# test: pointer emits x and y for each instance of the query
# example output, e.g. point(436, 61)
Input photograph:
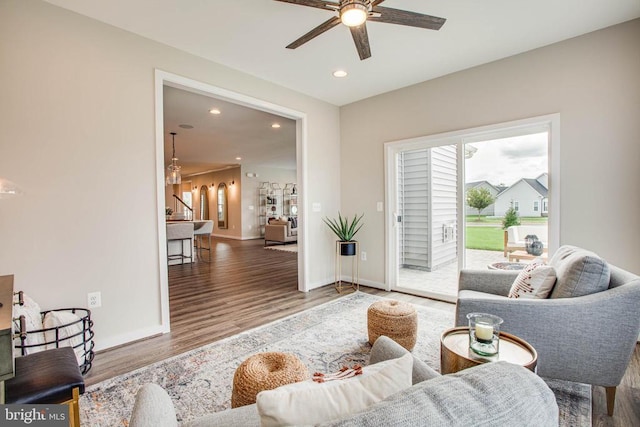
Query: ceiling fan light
point(353, 14)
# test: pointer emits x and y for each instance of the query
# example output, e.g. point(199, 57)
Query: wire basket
point(81, 341)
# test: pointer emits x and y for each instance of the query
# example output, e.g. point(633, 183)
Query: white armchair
point(514, 237)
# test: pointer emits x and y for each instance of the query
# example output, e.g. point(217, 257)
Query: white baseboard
point(345, 278)
point(103, 344)
point(227, 237)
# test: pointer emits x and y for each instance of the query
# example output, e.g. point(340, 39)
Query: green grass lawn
point(482, 235)
point(473, 219)
point(485, 238)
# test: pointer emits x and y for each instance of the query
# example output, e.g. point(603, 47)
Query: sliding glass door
point(447, 197)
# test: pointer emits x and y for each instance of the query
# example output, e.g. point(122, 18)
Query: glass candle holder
point(484, 333)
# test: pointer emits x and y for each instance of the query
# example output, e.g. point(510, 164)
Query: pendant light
point(173, 170)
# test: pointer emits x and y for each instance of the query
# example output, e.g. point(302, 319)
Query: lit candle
point(484, 332)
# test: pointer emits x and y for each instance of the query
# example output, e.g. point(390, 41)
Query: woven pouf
point(395, 319)
point(265, 371)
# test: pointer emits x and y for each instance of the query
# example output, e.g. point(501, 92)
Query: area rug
point(324, 338)
point(283, 248)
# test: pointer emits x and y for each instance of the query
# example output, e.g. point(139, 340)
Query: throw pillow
point(580, 272)
point(33, 320)
point(534, 281)
point(310, 403)
point(70, 332)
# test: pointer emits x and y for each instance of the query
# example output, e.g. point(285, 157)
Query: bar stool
point(204, 230)
point(49, 376)
point(180, 232)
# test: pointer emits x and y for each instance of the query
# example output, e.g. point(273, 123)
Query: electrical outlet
point(363, 256)
point(94, 299)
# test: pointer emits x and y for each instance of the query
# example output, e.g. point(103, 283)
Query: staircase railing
point(178, 199)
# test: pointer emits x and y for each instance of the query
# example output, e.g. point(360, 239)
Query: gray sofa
point(493, 394)
point(587, 329)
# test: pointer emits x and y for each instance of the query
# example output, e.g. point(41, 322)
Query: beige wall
point(592, 81)
point(251, 193)
point(234, 199)
point(78, 133)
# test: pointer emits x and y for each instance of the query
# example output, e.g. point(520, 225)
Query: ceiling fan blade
point(361, 39)
point(404, 17)
point(376, 2)
point(325, 26)
point(320, 4)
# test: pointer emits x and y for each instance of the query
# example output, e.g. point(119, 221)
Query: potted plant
point(345, 229)
point(510, 218)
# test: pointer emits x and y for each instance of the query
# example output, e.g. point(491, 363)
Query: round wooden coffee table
point(455, 354)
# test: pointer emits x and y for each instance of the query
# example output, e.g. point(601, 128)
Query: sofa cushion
point(517, 233)
point(153, 407)
point(533, 281)
point(492, 394)
point(579, 272)
point(308, 402)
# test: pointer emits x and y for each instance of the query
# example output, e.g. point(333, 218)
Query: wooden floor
point(246, 286)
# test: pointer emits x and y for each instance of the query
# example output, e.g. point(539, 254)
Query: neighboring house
point(493, 189)
point(528, 196)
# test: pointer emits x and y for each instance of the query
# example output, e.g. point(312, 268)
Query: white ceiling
point(251, 35)
point(215, 141)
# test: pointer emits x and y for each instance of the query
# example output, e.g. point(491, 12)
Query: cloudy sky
point(504, 161)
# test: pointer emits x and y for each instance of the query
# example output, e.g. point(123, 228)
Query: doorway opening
point(447, 197)
point(163, 80)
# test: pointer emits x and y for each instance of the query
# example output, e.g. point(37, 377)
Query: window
point(545, 205)
point(186, 197)
point(516, 205)
point(536, 206)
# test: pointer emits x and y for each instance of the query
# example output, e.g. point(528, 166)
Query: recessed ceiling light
point(275, 125)
point(214, 111)
point(186, 126)
point(340, 73)
point(238, 158)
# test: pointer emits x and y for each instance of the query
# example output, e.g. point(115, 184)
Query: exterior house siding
point(443, 196)
point(427, 201)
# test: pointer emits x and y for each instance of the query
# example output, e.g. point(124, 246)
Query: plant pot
point(348, 248)
point(536, 248)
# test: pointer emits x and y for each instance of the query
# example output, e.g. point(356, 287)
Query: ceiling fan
point(355, 13)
